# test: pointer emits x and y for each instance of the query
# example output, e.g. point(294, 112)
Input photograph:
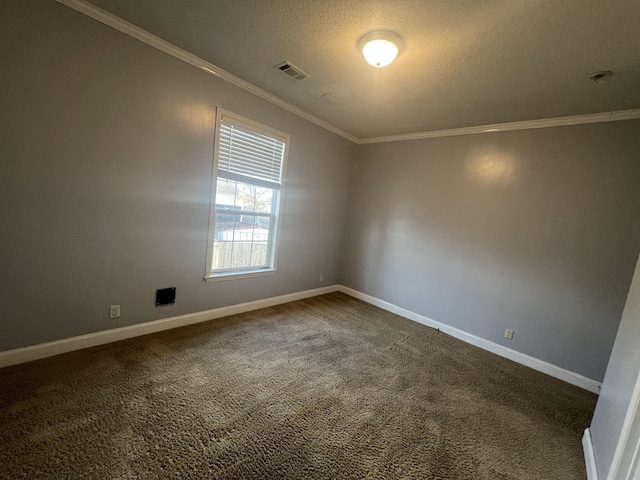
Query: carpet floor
point(324, 388)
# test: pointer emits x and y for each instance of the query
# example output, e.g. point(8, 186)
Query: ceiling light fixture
point(380, 48)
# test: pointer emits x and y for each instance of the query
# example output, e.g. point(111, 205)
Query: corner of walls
point(125, 190)
point(348, 216)
point(508, 353)
point(527, 230)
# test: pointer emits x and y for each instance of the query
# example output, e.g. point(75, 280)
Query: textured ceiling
point(465, 62)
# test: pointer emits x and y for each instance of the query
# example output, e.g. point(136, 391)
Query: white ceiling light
point(380, 48)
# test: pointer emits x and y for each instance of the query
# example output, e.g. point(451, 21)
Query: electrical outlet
point(114, 311)
point(322, 278)
point(508, 333)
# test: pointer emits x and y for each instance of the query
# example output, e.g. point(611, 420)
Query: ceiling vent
point(600, 77)
point(292, 70)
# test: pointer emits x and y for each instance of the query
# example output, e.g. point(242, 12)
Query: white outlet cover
point(114, 311)
point(508, 333)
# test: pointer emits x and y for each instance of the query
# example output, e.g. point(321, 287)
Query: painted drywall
point(619, 382)
point(105, 181)
point(534, 230)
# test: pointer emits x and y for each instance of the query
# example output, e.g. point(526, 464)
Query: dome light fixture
point(380, 48)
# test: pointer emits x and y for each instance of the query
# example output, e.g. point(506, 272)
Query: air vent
point(292, 70)
point(600, 77)
point(165, 296)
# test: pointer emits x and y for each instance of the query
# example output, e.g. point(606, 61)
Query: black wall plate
point(165, 296)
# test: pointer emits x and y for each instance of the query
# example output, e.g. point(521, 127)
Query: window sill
point(218, 277)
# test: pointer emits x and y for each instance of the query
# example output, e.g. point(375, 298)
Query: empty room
point(331, 239)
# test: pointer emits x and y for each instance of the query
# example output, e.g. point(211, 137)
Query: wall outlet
point(322, 278)
point(114, 311)
point(508, 333)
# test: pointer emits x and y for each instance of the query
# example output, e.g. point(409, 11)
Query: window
point(249, 163)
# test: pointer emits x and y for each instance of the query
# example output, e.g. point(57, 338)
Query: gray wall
point(105, 180)
point(105, 173)
point(619, 382)
point(531, 230)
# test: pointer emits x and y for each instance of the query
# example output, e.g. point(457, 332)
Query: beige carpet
point(327, 388)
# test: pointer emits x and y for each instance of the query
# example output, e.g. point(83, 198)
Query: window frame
point(274, 228)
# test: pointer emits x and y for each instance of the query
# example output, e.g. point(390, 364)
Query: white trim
point(626, 450)
point(504, 127)
point(212, 199)
point(166, 47)
point(625, 115)
point(254, 126)
point(589, 458)
point(221, 277)
point(518, 357)
point(49, 349)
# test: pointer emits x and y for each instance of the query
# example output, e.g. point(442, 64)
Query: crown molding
point(625, 115)
point(142, 35)
point(166, 47)
point(505, 127)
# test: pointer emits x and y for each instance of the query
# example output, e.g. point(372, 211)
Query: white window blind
point(247, 155)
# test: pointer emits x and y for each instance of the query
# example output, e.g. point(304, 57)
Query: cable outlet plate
point(114, 311)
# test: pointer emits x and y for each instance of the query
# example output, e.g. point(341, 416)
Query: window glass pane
point(260, 241)
point(241, 241)
point(243, 196)
point(260, 198)
point(225, 194)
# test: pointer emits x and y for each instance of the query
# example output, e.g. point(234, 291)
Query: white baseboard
point(43, 350)
point(522, 358)
point(589, 459)
point(49, 349)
